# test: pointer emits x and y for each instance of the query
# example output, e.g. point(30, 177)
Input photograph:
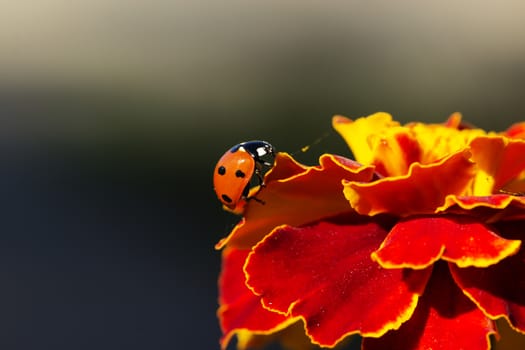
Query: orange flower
point(415, 245)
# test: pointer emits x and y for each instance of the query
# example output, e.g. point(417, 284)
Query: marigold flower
point(416, 244)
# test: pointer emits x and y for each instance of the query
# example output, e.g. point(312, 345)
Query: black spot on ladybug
point(221, 170)
point(226, 198)
point(240, 174)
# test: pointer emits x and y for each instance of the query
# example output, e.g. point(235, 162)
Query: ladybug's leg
point(258, 173)
point(255, 199)
point(261, 185)
point(246, 192)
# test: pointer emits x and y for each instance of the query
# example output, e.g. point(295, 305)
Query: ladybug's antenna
point(318, 140)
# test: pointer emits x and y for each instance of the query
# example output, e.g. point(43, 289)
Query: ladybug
point(237, 167)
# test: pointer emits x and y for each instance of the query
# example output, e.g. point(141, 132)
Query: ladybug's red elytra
point(237, 167)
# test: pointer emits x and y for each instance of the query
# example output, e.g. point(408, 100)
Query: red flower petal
point(324, 274)
point(419, 242)
point(444, 320)
point(498, 290)
point(488, 208)
point(240, 309)
point(496, 201)
point(516, 131)
point(285, 166)
point(420, 191)
point(314, 193)
point(454, 121)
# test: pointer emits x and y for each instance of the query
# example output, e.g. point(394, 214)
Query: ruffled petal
point(357, 134)
point(500, 161)
point(498, 290)
point(421, 191)
point(444, 320)
point(240, 311)
point(516, 131)
point(392, 148)
point(419, 242)
point(306, 196)
point(379, 141)
point(454, 121)
point(323, 273)
point(496, 201)
point(440, 140)
point(489, 208)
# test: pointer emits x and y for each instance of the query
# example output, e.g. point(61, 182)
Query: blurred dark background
point(113, 114)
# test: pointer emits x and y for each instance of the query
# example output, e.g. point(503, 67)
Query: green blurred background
point(115, 112)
